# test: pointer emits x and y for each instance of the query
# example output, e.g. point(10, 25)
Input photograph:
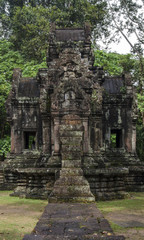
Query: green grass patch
point(32, 204)
point(18, 215)
point(135, 202)
point(116, 228)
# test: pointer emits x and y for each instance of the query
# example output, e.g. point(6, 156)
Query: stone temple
point(73, 128)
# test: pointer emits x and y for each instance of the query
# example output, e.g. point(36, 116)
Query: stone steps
point(71, 186)
point(2, 180)
point(1, 176)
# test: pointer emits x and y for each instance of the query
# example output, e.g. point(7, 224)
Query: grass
point(18, 216)
point(33, 204)
point(135, 202)
point(133, 205)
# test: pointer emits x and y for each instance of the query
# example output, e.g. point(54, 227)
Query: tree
point(10, 59)
point(114, 63)
point(26, 23)
point(30, 31)
point(126, 19)
point(76, 12)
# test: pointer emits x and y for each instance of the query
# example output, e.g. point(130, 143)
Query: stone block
point(71, 134)
point(71, 163)
point(71, 141)
point(71, 172)
point(71, 148)
point(71, 155)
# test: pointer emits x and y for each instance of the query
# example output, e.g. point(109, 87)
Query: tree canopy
point(26, 23)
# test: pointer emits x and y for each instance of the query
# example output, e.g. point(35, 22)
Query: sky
point(122, 47)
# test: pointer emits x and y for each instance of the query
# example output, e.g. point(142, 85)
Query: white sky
point(122, 47)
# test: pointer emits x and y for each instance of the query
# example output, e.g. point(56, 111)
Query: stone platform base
point(72, 222)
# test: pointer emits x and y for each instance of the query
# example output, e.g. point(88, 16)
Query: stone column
point(56, 136)
point(107, 137)
point(134, 138)
point(86, 136)
point(17, 141)
point(128, 132)
point(12, 140)
point(46, 135)
point(16, 137)
point(98, 134)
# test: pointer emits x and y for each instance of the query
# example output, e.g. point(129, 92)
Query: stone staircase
point(71, 186)
point(2, 182)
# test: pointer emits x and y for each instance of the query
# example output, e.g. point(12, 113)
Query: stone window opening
point(30, 140)
point(116, 138)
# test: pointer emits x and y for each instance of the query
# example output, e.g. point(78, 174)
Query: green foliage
point(30, 31)
point(113, 140)
point(10, 59)
point(123, 90)
point(30, 69)
point(114, 63)
point(140, 142)
point(127, 62)
point(140, 102)
point(139, 74)
point(26, 23)
point(4, 146)
point(77, 12)
point(109, 61)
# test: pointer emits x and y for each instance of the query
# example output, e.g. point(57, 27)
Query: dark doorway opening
point(116, 138)
point(30, 140)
